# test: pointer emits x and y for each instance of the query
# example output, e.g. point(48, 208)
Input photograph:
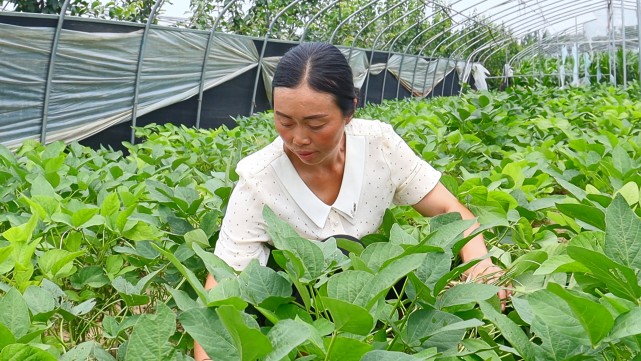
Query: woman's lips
point(305, 155)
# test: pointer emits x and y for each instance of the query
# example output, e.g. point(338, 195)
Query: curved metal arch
point(141, 54)
point(262, 52)
point(508, 12)
point(585, 11)
point(517, 57)
point(389, 52)
point(445, 31)
point(348, 18)
point(484, 33)
point(439, 58)
point(507, 41)
point(52, 61)
point(417, 56)
point(555, 20)
point(360, 31)
point(210, 40)
point(371, 56)
point(429, 28)
point(530, 50)
point(313, 18)
point(436, 36)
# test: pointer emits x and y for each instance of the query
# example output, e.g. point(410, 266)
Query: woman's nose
point(300, 138)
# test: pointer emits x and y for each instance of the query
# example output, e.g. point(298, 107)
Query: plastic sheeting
point(94, 76)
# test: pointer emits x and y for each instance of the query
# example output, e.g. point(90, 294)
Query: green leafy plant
point(103, 254)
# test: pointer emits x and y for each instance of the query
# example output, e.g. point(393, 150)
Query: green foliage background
point(103, 255)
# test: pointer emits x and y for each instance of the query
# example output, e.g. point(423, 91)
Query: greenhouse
point(122, 125)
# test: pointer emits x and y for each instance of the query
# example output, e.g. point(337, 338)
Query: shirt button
point(335, 223)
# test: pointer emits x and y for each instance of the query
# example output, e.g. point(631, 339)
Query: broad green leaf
point(259, 283)
point(39, 300)
point(588, 214)
point(92, 276)
point(630, 191)
point(122, 217)
point(110, 205)
point(216, 266)
point(40, 186)
point(277, 228)
point(83, 216)
point(204, 325)
point(424, 330)
point(23, 352)
point(23, 232)
point(285, 336)
point(249, 341)
point(522, 233)
point(464, 293)
point(510, 331)
point(623, 234)
point(57, 261)
point(352, 287)
point(186, 272)
point(399, 236)
point(83, 308)
point(392, 273)
point(89, 350)
point(143, 231)
point(6, 337)
point(595, 318)
point(349, 317)
point(446, 236)
point(5, 253)
point(591, 240)
point(554, 323)
point(560, 263)
point(149, 339)
point(43, 206)
point(197, 236)
point(285, 238)
point(14, 313)
point(188, 199)
point(345, 349)
point(577, 192)
point(621, 160)
point(627, 324)
point(182, 299)
point(620, 280)
point(435, 266)
point(378, 253)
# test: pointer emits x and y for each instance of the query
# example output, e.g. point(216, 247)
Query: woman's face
point(310, 124)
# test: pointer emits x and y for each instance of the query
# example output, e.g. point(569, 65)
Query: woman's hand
point(488, 273)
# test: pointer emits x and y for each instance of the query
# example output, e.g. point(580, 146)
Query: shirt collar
point(349, 194)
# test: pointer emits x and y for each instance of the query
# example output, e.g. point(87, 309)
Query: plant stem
point(331, 343)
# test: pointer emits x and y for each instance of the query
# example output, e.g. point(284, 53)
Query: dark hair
point(323, 67)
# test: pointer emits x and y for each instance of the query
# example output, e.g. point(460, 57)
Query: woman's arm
point(440, 201)
point(199, 353)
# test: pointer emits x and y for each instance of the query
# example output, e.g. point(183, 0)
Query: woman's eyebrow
point(309, 117)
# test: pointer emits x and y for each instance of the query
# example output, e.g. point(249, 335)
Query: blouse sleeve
point(243, 234)
point(412, 176)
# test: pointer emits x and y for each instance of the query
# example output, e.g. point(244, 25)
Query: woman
point(328, 173)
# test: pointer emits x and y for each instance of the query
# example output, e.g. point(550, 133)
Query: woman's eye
point(316, 127)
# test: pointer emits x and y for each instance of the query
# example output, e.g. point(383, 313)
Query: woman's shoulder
point(260, 160)
point(367, 127)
